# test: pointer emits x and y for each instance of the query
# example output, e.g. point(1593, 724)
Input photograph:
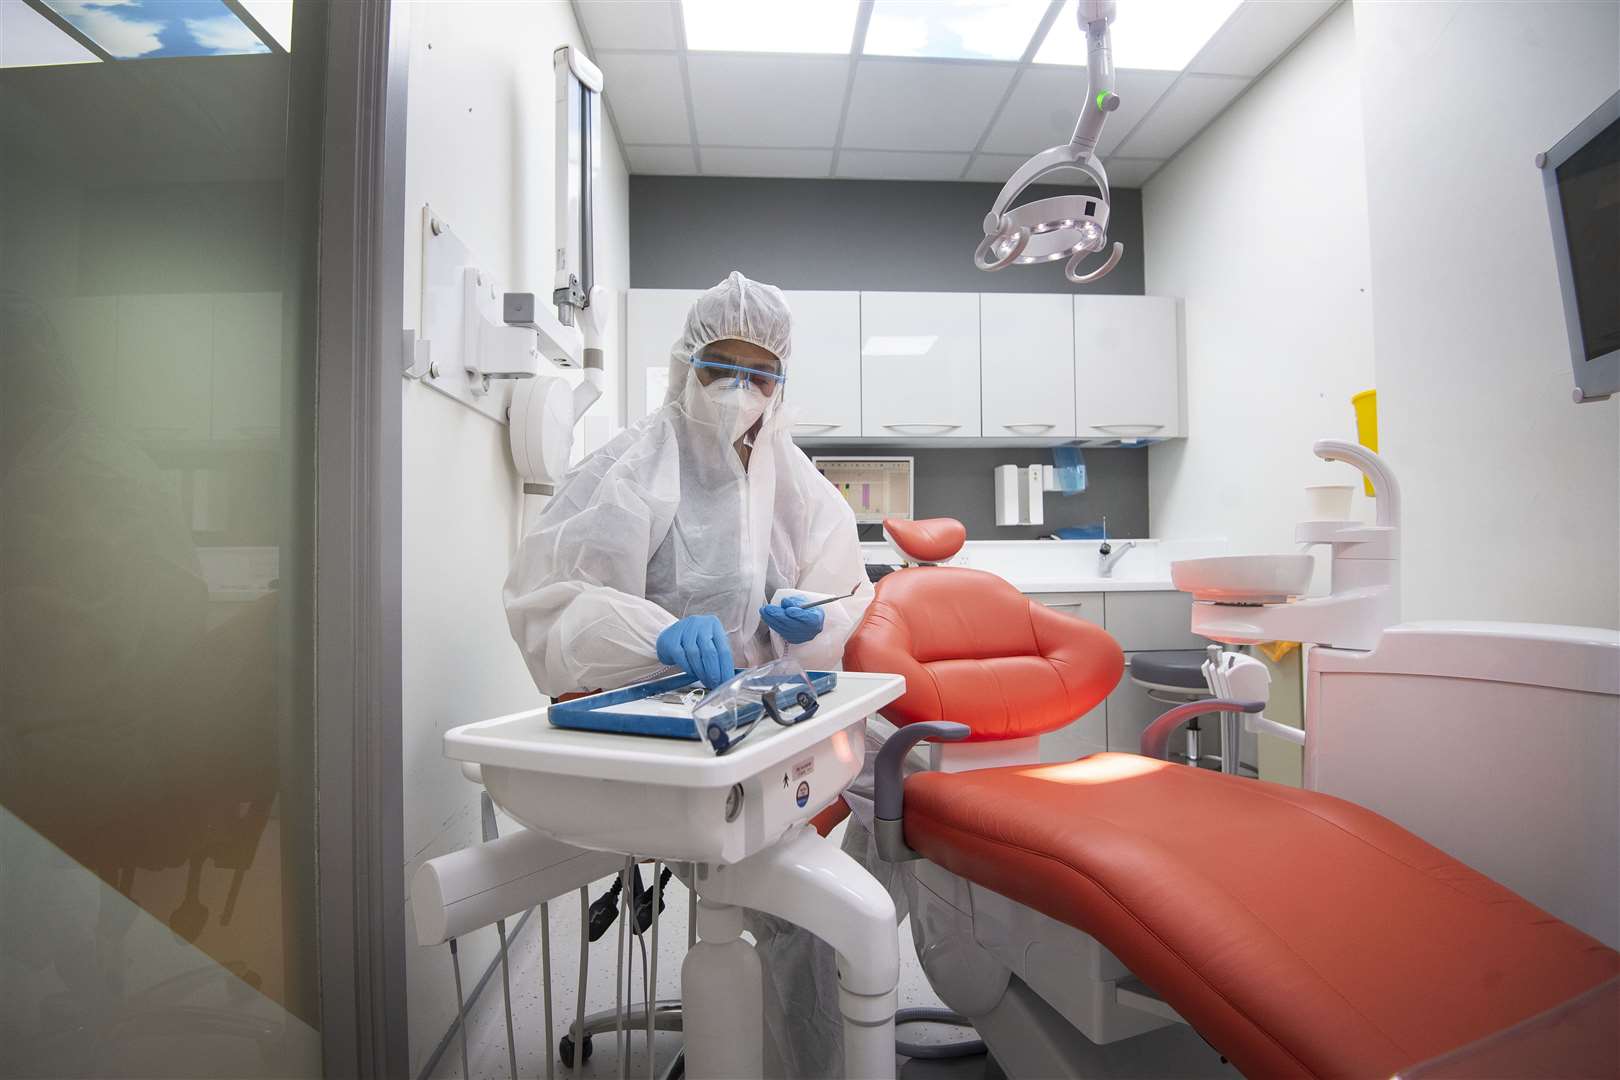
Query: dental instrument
point(833, 599)
point(1062, 226)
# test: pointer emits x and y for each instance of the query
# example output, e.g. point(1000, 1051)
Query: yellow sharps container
point(1366, 405)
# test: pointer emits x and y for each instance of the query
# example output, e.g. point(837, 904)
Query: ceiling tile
point(662, 160)
point(1047, 101)
point(900, 165)
point(649, 102)
point(614, 24)
point(782, 101)
point(766, 162)
point(1256, 35)
point(1195, 101)
point(996, 168)
point(1130, 172)
point(923, 104)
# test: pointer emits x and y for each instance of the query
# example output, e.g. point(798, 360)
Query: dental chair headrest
point(932, 540)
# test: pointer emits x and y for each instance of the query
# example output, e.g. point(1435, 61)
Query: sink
point(1244, 579)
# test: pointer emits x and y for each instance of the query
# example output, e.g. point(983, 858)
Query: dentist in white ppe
point(664, 549)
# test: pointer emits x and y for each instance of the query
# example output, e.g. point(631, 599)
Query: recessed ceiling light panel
point(784, 26)
point(954, 29)
point(1156, 35)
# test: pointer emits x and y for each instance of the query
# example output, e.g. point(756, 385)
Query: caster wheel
point(565, 1050)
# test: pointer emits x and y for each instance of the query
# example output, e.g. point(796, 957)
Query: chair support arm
point(1156, 738)
point(889, 790)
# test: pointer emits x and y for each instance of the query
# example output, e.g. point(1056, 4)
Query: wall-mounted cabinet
point(919, 365)
point(654, 320)
point(824, 380)
point(914, 368)
point(1026, 388)
point(1127, 367)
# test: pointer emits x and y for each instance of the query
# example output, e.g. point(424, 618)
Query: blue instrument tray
point(586, 713)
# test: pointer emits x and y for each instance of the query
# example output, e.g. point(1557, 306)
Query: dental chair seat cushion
point(1298, 933)
point(976, 651)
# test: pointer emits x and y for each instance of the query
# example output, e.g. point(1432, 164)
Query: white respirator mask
point(736, 408)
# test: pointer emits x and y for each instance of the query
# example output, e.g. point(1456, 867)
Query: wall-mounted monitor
point(1582, 179)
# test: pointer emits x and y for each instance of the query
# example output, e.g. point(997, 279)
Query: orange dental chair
point(1065, 907)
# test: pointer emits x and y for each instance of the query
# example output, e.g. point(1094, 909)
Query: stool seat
point(1176, 670)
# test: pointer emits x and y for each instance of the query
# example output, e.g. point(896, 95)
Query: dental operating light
point(1068, 227)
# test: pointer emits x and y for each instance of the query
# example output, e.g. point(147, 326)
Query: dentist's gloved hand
point(792, 620)
point(697, 645)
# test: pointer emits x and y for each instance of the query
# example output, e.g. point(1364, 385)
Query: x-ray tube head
point(1070, 227)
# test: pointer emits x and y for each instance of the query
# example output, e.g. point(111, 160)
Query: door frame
point(359, 799)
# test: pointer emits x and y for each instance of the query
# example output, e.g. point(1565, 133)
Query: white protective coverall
point(665, 522)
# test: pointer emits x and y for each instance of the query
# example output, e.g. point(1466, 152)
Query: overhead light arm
point(1068, 227)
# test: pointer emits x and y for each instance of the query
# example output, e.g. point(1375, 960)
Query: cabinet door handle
point(1127, 428)
point(1038, 428)
point(940, 428)
point(815, 428)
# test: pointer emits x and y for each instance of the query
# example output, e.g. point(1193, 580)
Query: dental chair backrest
point(976, 651)
point(925, 542)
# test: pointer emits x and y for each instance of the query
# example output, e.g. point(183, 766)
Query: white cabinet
point(824, 371)
point(165, 351)
point(919, 365)
point(655, 320)
point(1127, 368)
point(1026, 347)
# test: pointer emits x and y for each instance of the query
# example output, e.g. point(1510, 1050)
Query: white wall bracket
point(467, 349)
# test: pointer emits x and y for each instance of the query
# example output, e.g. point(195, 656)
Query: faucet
point(1107, 556)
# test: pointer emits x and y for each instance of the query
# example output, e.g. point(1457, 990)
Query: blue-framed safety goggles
point(764, 379)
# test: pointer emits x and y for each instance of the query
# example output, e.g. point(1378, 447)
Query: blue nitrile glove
point(697, 645)
point(790, 619)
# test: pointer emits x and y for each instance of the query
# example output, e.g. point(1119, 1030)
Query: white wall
point(1509, 489)
point(1261, 226)
point(480, 152)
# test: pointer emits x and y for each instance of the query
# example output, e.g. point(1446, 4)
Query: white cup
point(1329, 502)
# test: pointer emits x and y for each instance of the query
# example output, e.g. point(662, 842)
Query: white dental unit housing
point(1504, 708)
point(1068, 227)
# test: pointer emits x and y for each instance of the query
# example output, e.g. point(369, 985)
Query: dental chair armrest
point(1156, 738)
point(889, 788)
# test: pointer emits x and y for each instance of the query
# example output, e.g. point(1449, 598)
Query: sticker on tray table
point(802, 796)
point(802, 769)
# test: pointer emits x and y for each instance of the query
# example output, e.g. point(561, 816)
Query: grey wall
point(690, 231)
point(961, 484)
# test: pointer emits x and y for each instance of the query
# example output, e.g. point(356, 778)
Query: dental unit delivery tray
point(673, 798)
point(661, 707)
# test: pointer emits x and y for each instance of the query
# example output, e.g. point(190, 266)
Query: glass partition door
point(159, 185)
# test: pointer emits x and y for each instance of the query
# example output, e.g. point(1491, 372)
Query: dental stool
point(1175, 677)
point(1067, 906)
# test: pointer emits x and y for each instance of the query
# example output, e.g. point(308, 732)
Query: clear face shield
point(716, 364)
